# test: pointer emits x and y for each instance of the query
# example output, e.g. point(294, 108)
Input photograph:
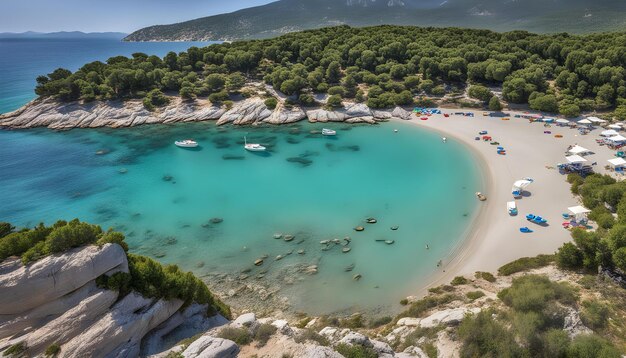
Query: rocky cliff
point(56, 303)
point(55, 115)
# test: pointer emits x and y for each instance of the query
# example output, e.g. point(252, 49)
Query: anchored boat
point(253, 147)
point(186, 143)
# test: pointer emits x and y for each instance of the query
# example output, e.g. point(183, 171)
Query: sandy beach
point(495, 239)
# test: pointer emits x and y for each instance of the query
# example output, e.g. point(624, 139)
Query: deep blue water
point(22, 60)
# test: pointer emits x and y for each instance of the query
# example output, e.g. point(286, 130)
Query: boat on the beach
point(328, 132)
point(186, 143)
point(253, 147)
point(525, 230)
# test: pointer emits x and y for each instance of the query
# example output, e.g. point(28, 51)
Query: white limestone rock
point(70, 324)
point(447, 317)
point(356, 338)
point(244, 320)
point(27, 287)
point(211, 347)
point(408, 321)
point(119, 332)
point(321, 352)
point(284, 115)
point(248, 111)
point(573, 325)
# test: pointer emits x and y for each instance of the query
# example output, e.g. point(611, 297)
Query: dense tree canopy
point(390, 64)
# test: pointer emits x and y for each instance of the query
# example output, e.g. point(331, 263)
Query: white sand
point(495, 239)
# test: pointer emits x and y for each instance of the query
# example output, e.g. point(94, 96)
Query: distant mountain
point(576, 16)
point(62, 35)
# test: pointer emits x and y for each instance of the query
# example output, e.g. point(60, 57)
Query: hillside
point(575, 16)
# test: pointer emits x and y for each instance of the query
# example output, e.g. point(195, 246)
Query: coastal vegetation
point(381, 66)
point(604, 247)
point(146, 276)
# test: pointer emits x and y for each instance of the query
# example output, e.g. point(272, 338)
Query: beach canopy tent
point(584, 121)
point(575, 159)
point(617, 162)
point(579, 211)
point(595, 120)
point(520, 185)
point(562, 121)
point(615, 126)
point(609, 133)
point(548, 120)
point(617, 139)
point(578, 150)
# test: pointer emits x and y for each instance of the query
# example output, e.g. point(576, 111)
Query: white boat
point(326, 131)
point(186, 143)
point(444, 139)
point(253, 147)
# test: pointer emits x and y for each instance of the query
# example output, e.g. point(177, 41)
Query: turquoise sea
point(313, 187)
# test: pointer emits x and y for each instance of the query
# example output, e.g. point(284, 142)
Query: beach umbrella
point(562, 121)
point(617, 162)
point(609, 133)
point(584, 121)
point(578, 150)
point(595, 120)
point(615, 126)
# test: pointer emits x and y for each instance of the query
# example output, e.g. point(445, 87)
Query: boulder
point(408, 321)
point(211, 347)
point(27, 287)
point(353, 338)
point(573, 325)
point(248, 111)
point(382, 349)
point(447, 317)
point(245, 320)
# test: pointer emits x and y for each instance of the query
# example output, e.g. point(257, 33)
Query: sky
point(107, 15)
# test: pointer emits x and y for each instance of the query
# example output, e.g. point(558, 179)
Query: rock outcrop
point(56, 301)
point(251, 111)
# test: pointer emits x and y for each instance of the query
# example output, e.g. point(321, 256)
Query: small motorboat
point(328, 132)
point(186, 143)
point(253, 147)
point(525, 230)
point(482, 132)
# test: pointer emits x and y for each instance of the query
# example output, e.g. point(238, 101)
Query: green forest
point(382, 66)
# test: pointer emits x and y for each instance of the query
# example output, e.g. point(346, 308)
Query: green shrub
point(459, 280)
point(480, 92)
point(483, 336)
point(334, 101)
point(584, 346)
point(53, 350)
point(494, 104)
point(487, 276)
point(352, 322)
point(404, 301)
point(15, 350)
point(474, 295)
point(264, 333)
point(308, 334)
point(569, 256)
point(534, 293)
point(595, 314)
point(355, 351)
point(271, 103)
point(6, 229)
point(380, 321)
point(241, 336)
point(525, 264)
point(416, 309)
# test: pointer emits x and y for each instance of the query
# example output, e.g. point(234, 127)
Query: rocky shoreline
point(57, 115)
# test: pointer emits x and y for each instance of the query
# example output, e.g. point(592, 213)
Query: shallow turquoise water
point(409, 179)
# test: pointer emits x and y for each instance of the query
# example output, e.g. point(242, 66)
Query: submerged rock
point(302, 161)
point(345, 250)
point(357, 277)
point(258, 262)
point(167, 178)
point(359, 228)
point(216, 220)
point(371, 220)
point(289, 238)
point(233, 157)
